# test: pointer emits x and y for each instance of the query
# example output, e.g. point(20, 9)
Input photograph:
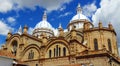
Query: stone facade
point(82, 44)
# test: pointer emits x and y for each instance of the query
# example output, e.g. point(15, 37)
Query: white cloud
point(65, 14)
point(49, 5)
point(30, 30)
point(89, 9)
point(11, 19)
point(5, 6)
point(1, 45)
point(53, 4)
point(4, 28)
point(65, 30)
point(62, 8)
point(109, 11)
point(119, 50)
point(55, 30)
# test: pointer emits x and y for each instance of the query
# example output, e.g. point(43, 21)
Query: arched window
point(36, 64)
point(64, 51)
point(95, 44)
point(31, 55)
point(109, 45)
point(59, 51)
point(14, 45)
point(54, 52)
point(50, 53)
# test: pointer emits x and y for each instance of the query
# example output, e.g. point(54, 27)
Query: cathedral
point(82, 44)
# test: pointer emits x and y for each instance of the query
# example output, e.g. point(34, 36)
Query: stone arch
point(79, 36)
point(14, 44)
point(34, 48)
point(13, 38)
point(56, 47)
point(66, 43)
point(31, 46)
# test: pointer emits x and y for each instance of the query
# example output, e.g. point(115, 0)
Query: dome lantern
point(79, 10)
point(45, 16)
point(61, 31)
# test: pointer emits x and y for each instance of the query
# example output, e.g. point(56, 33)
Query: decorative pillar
point(110, 26)
point(61, 31)
point(100, 25)
point(25, 29)
point(8, 35)
point(73, 33)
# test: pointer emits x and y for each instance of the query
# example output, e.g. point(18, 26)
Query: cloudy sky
point(14, 13)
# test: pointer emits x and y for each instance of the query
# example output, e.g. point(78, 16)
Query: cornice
point(32, 37)
point(99, 29)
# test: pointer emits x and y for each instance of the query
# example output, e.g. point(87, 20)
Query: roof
point(7, 54)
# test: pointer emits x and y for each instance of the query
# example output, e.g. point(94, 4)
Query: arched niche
point(30, 52)
point(57, 48)
point(14, 46)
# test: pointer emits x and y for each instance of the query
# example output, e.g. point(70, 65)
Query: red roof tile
point(7, 54)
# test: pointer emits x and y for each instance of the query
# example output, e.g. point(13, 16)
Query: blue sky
point(14, 13)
